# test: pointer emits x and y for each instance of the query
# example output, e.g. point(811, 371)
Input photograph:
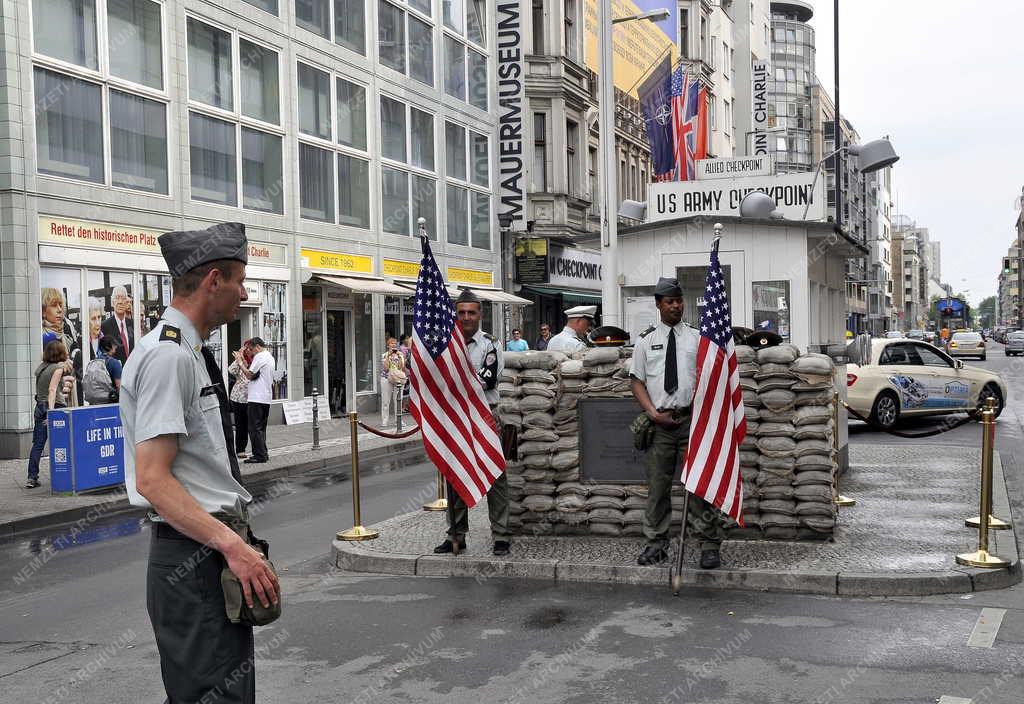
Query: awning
point(360, 285)
point(566, 293)
point(487, 294)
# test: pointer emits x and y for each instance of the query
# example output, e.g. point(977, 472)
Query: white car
point(893, 335)
point(913, 378)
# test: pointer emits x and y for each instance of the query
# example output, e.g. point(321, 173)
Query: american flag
point(688, 124)
point(712, 465)
point(446, 397)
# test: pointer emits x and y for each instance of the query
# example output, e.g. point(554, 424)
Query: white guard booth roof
point(367, 285)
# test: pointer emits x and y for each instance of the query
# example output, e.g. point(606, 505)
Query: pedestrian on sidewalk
point(258, 396)
point(50, 393)
point(240, 397)
point(517, 343)
point(180, 464)
point(392, 378)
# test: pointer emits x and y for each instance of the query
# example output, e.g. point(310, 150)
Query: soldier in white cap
point(573, 337)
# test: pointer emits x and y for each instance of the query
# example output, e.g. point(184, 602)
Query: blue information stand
point(86, 448)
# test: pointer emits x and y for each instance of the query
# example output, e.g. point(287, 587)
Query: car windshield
point(1016, 336)
point(893, 334)
point(967, 337)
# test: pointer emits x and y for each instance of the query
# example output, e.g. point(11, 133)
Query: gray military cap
point(468, 296)
point(184, 251)
point(668, 288)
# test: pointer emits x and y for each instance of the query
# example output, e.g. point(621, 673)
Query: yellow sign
point(536, 246)
point(399, 269)
point(637, 46)
point(98, 235)
point(470, 276)
point(337, 261)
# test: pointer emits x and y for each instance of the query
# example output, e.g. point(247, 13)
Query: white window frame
point(332, 39)
point(333, 145)
point(236, 117)
point(467, 45)
point(468, 184)
point(102, 78)
point(407, 166)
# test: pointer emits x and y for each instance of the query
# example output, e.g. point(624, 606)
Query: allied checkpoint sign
point(791, 192)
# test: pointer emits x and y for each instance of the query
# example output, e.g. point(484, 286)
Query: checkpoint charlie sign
point(791, 192)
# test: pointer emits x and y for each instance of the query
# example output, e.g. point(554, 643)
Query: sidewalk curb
point(356, 558)
point(120, 505)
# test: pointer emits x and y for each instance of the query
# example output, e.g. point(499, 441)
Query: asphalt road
point(73, 626)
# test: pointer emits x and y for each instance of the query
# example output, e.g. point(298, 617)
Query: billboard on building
point(638, 45)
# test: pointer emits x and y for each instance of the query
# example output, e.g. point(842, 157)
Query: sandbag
point(813, 363)
point(538, 375)
point(772, 369)
point(534, 388)
point(634, 502)
point(538, 504)
point(785, 507)
point(538, 435)
point(776, 382)
point(538, 420)
point(786, 415)
point(569, 503)
point(802, 385)
point(780, 354)
point(568, 430)
point(776, 399)
point(538, 461)
point(573, 386)
point(509, 376)
point(534, 359)
point(567, 475)
point(568, 402)
point(635, 516)
point(776, 446)
point(772, 492)
point(822, 397)
point(596, 356)
point(508, 406)
point(567, 416)
point(751, 399)
point(745, 354)
point(608, 490)
point(816, 380)
point(784, 464)
point(750, 412)
point(815, 476)
point(605, 515)
point(571, 368)
point(748, 383)
point(539, 488)
point(534, 447)
point(599, 385)
point(606, 530)
point(814, 463)
point(748, 457)
point(812, 447)
point(539, 475)
point(602, 369)
point(562, 444)
point(507, 389)
point(814, 432)
point(572, 488)
point(566, 459)
point(784, 430)
point(771, 519)
point(820, 524)
point(753, 427)
point(814, 492)
point(747, 369)
point(812, 415)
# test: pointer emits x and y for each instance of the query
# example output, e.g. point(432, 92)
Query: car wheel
point(993, 391)
point(982, 358)
point(885, 412)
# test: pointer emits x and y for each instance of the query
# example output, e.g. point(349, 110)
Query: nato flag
point(655, 95)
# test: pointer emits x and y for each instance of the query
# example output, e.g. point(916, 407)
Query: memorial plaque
point(607, 455)
point(531, 261)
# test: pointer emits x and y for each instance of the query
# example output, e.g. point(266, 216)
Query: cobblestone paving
point(911, 504)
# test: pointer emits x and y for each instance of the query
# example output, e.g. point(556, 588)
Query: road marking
point(946, 699)
point(985, 630)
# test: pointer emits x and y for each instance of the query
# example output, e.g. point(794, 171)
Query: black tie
point(671, 368)
point(217, 380)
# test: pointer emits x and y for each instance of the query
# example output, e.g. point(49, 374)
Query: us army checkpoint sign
point(791, 192)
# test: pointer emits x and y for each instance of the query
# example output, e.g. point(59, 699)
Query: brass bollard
point(316, 421)
point(989, 435)
point(837, 498)
point(357, 532)
point(440, 503)
point(981, 557)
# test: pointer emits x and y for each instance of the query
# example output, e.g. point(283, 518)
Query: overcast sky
point(943, 79)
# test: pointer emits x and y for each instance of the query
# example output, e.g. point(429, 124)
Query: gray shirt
point(478, 346)
point(166, 390)
point(566, 341)
point(649, 364)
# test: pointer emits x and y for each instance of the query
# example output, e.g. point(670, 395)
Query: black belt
point(164, 530)
point(684, 411)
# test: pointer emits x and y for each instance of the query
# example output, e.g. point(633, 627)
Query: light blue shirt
point(519, 345)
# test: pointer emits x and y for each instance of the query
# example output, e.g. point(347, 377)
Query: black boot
point(710, 559)
point(652, 556)
point(446, 547)
point(501, 548)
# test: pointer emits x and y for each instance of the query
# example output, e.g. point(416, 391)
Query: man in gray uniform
point(663, 379)
point(573, 337)
point(485, 356)
point(179, 463)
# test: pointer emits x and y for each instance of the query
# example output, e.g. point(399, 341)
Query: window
point(540, 152)
point(538, 27)
point(703, 37)
point(314, 102)
point(571, 48)
point(712, 52)
point(595, 204)
point(275, 334)
point(82, 124)
point(465, 74)
point(266, 5)
point(66, 30)
point(316, 183)
point(134, 41)
point(415, 59)
point(467, 200)
point(684, 33)
point(233, 139)
point(349, 21)
point(771, 307)
point(572, 162)
point(351, 102)
point(726, 116)
point(732, 64)
point(408, 187)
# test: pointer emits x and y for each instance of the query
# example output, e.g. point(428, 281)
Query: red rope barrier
point(390, 436)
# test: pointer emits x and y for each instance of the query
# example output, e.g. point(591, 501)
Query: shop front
point(109, 280)
point(555, 277)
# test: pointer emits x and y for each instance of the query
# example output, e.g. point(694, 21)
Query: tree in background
point(987, 312)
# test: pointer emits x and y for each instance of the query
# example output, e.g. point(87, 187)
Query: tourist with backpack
point(52, 391)
point(101, 382)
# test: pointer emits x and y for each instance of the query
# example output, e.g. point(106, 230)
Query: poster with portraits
point(61, 297)
point(110, 298)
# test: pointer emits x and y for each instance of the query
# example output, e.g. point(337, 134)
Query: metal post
point(398, 408)
point(607, 171)
point(838, 120)
point(988, 443)
point(838, 498)
point(357, 532)
point(981, 557)
point(316, 421)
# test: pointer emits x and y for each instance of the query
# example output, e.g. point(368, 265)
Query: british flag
point(689, 123)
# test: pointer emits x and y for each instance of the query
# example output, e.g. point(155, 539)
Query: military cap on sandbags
point(667, 287)
point(581, 312)
point(609, 336)
point(760, 340)
point(185, 250)
point(468, 296)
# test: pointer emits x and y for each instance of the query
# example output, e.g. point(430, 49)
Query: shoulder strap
point(217, 380)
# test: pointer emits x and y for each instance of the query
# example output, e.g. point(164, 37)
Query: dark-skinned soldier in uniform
point(663, 379)
point(180, 464)
point(485, 357)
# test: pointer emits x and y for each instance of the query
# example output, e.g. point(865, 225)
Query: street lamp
point(610, 298)
point(874, 155)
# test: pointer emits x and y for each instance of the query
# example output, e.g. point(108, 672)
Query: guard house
point(787, 276)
